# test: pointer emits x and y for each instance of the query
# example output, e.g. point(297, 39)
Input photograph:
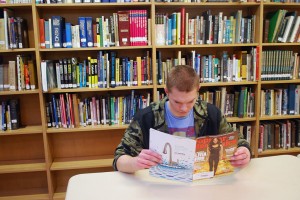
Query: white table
point(273, 178)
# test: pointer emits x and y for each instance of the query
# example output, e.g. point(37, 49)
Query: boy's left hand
point(241, 157)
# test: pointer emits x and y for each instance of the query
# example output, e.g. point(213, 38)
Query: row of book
point(280, 65)
point(283, 134)
point(200, 1)
point(237, 103)
point(13, 30)
point(181, 29)
point(9, 115)
point(240, 66)
point(70, 111)
point(124, 28)
point(281, 101)
point(86, 1)
point(105, 71)
point(18, 75)
point(282, 26)
point(14, 1)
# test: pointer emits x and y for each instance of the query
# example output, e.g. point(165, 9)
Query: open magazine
point(186, 159)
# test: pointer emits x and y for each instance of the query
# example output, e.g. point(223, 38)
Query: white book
point(44, 75)
point(294, 30)
point(287, 30)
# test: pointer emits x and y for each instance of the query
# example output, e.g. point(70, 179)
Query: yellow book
point(118, 72)
point(139, 71)
point(95, 73)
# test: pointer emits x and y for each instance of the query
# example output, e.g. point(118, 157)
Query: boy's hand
point(241, 157)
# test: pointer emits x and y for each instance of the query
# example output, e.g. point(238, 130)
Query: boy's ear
point(166, 91)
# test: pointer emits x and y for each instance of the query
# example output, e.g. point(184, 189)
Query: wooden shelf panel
point(18, 168)
point(58, 196)
point(218, 84)
point(238, 119)
point(89, 162)
point(91, 6)
point(207, 46)
point(95, 48)
point(27, 197)
point(19, 92)
point(23, 130)
point(279, 151)
point(281, 44)
point(10, 5)
point(207, 4)
point(78, 90)
point(281, 81)
point(17, 50)
point(88, 128)
point(277, 117)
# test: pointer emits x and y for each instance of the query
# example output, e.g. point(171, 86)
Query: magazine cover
point(186, 159)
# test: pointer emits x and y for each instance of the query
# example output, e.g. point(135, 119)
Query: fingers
point(147, 159)
point(241, 157)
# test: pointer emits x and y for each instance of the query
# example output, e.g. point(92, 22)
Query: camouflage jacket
point(136, 136)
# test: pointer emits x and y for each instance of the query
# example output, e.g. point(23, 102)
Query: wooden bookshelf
point(36, 162)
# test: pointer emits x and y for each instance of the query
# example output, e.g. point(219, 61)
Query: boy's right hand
point(146, 159)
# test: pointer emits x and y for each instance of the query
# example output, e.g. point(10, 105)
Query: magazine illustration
point(186, 159)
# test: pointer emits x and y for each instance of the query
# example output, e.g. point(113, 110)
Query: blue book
point(89, 31)
point(169, 38)
point(55, 120)
point(47, 35)
point(291, 99)
point(57, 34)
point(112, 69)
point(82, 31)
point(100, 70)
point(124, 66)
point(68, 36)
point(112, 1)
point(173, 29)
point(104, 1)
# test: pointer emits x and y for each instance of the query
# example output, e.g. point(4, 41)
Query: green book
point(273, 17)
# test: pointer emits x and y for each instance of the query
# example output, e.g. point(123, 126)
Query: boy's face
point(181, 102)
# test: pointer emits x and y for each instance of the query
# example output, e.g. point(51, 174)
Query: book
point(186, 159)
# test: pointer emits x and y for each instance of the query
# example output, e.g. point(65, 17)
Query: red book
point(182, 31)
point(42, 33)
point(124, 28)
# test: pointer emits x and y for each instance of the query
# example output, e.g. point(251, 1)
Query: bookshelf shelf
point(277, 117)
point(79, 90)
point(87, 129)
point(90, 162)
point(93, 6)
point(2, 93)
point(280, 44)
point(18, 50)
point(20, 168)
point(206, 46)
point(16, 5)
point(27, 197)
point(279, 151)
point(207, 4)
point(280, 82)
point(244, 119)
point(95, 49)
point(44, 159)
point(23, 130)
point(59, 196)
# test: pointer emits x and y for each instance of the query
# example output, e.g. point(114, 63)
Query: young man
point(180, 113)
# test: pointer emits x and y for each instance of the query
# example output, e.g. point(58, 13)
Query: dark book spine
point(14, 113)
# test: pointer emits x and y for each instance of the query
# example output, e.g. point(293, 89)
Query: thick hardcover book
point(89, 31)
point(68, 35)
point(124, 28)
point(2, 33)
point(57, 31)
point(42, 33)
point(82, 31)
point(186, 159)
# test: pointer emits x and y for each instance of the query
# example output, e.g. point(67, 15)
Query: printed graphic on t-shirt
point(183, 132)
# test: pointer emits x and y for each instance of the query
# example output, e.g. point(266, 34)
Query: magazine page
point(178, 155)
point(213, 154)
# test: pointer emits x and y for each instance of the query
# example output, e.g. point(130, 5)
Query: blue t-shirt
point(180, 126)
